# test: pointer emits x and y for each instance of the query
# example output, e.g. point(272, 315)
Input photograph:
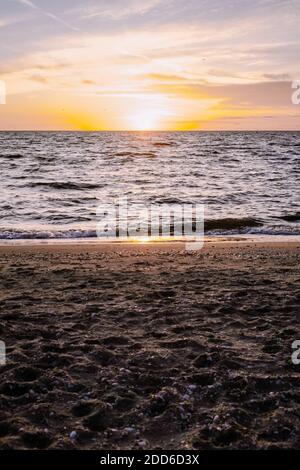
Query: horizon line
point(149, 130)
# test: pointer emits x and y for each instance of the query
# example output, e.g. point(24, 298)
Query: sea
point(53, 182)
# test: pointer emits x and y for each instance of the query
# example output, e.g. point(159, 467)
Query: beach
point(150, 346)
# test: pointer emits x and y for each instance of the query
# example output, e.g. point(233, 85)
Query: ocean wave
point(279, 230)
point(291, 217)
point(12, 156)
point(237, 228)
point(164, 144)
point(168, 200)
point(136, 154)
point(65, 185)
point(46, 234)
point(231, 224)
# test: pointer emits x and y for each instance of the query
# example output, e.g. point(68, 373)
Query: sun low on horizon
point(145, 121)
point(73, 65)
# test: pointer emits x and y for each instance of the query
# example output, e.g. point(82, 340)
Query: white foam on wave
point(90, 234)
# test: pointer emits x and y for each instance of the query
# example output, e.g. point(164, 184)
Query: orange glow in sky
point(130, 65)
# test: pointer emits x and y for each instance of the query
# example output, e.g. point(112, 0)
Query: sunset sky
point(149, 64)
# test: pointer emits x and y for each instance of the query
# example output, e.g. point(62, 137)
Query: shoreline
point(168, 244)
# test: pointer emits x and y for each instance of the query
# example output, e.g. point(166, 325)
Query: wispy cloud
point(56, 18)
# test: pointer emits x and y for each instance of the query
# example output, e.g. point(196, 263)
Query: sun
point(145, 120)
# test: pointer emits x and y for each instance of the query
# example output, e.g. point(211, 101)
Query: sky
point(149, 64)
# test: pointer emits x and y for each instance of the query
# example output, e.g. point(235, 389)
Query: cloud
point(164, 77)
point(242, 96)
point(56, 18)
point(277, 76)
point(88, 82)
point(190, 54)
point(27, 3)
point(119, 10)
point(38, 79)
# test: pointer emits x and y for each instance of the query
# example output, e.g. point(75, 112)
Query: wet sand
point(150, 346)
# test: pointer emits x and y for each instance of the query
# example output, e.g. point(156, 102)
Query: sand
point(150, 346)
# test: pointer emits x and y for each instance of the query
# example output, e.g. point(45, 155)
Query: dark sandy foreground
point(150, 347)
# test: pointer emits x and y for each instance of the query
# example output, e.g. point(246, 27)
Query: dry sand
point(150, 346)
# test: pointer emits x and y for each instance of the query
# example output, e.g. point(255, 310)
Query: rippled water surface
point(52, 183)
